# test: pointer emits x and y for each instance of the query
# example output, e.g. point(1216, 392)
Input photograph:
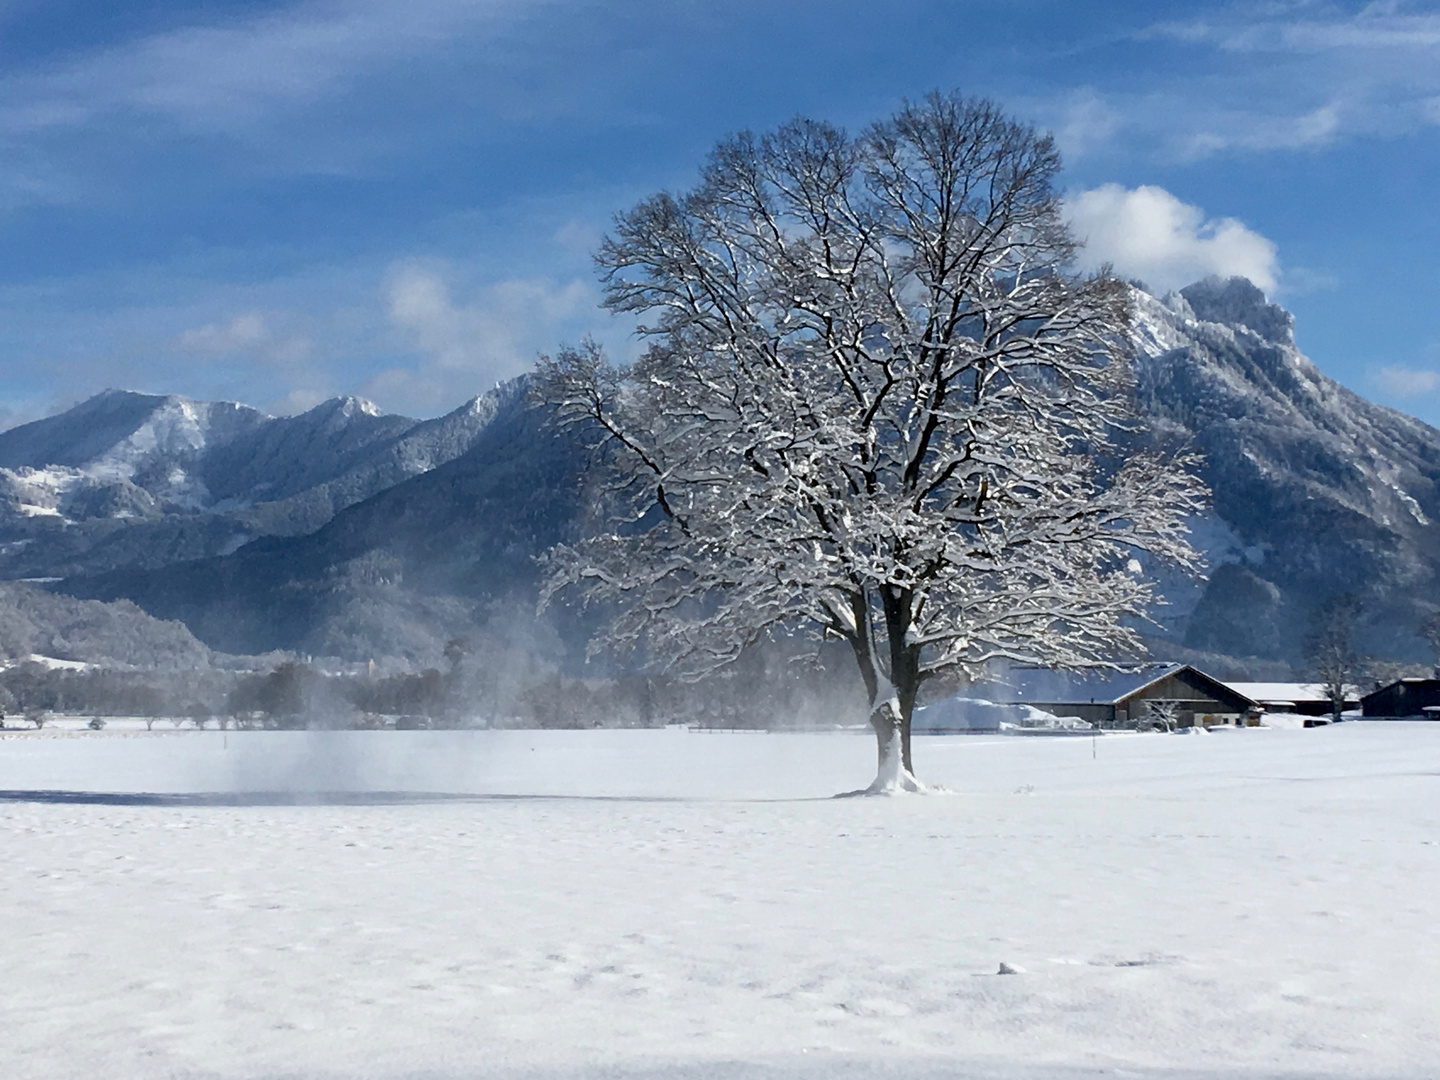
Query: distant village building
point(1405, 699)
point(1122, 698)
point(1303, 699)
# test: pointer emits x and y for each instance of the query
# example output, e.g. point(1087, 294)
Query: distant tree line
point(478, 685)
point(29, 686)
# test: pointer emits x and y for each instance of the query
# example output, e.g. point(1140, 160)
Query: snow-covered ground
point(660, 904)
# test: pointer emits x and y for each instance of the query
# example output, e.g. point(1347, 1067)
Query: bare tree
point(1329, 649)
point(874, 406)
point(1161, 714)
point(1431, 631)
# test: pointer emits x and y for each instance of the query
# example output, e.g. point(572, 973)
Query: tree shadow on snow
point(337, 798)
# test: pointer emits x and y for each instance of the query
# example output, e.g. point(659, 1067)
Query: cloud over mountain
point(1148, 233)
point(472, 341)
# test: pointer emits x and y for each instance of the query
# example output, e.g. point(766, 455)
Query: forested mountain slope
point(35, 622)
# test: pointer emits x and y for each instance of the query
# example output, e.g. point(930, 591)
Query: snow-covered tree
point(874, 405)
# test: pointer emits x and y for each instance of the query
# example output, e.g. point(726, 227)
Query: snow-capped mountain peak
point(1237, 302)
point(343, 408)
point(165, 462)
point(1316, 490)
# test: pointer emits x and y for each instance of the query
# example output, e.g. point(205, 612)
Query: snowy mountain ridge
point(130, 450)
point(156, 444)
point(118, 427)
point(126, 478)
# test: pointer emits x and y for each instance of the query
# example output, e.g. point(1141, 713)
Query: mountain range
point(443, 554)
point(142, 482)
point(347, 532)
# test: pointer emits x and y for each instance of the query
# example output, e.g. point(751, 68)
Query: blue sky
point(279, 202)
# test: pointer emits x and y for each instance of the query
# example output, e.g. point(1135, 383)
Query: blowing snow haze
point(349, 533)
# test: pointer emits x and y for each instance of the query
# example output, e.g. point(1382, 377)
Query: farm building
point(1121, 698)
point(1303, 699)
point(1404, 699)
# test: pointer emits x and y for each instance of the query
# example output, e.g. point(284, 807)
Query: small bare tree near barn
point(874, 406)
point(1330, 651)
point(1430, 630)
point(1164, 715)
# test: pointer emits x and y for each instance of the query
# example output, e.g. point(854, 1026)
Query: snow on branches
point(874, 404)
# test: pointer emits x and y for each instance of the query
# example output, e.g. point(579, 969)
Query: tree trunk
point(904, 666)
point(865, 661)
point(906, 693)
point(891, 732)
point(892, 726)
point(892, 700)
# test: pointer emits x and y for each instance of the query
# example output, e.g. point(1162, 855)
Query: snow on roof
point(1295, 692)
point(1071, 687)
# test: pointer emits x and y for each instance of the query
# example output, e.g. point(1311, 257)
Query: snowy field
point(667, 904)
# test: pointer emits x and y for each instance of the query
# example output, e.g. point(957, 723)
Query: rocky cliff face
point(1316, 490)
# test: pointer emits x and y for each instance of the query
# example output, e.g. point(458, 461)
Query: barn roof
point(1101, 687)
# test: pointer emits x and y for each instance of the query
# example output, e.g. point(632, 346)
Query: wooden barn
point(1121, 698)
point(1405, 699)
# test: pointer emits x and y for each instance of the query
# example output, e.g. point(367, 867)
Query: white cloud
point(1085, 121)
point(1288, 75)
point(1148, 233)
point(236, 71)
point(468, 346)
point(1377, 26)
point(1315, 128)
point(1247, 131)
point(248, 335)
point(242, 333)
point(1407, 382)
point(287, 85)
point(417, 337)
point(1303, 280)
point(296, 402)
point(578, 237)
point(1283, 28)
